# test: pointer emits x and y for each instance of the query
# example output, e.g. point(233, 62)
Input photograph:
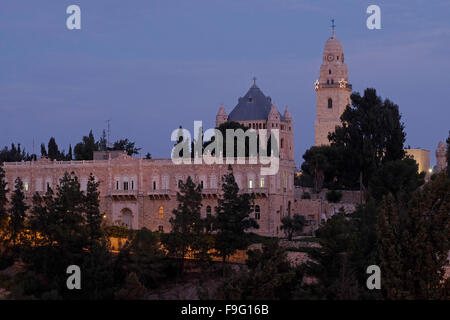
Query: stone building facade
point(140, 192)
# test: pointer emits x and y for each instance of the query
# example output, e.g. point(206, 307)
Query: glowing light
point(316, 85)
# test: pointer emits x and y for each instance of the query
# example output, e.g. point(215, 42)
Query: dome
point(333, 44)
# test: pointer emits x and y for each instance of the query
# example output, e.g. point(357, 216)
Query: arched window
point(257, 212)
point(179, 183)
point(154, 185)
point(281, 143)
point(329, 71)
point(127, 218)
point(330, 103)
point(208, 211)
point(161, 213)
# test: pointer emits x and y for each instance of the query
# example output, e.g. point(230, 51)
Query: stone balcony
point(123, 195)
point(211, 193)
point(259, 192)
point(160, 194)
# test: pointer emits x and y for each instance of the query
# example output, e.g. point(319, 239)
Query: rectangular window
point(125, 186)
point(154, 185)
point(26, 186)
point(117, 185)
point(250, 184)
point(132, 184)
point(261, 183)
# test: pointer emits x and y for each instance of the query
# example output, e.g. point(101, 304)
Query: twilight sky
point(150, 66)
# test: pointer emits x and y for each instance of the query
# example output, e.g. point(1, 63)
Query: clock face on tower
point(330, 57)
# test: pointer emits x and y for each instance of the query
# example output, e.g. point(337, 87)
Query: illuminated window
point(25, 186)
point(250, 184)
point(261, 183)
point(161, 213)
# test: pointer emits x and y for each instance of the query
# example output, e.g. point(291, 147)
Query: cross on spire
point(332, 27)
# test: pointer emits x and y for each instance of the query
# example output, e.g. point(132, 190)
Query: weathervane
point(332, 26)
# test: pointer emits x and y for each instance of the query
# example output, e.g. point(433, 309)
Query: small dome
point(333, 44)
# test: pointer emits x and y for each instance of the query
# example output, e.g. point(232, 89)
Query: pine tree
point(3, 203)
point(448, 155)
point(53, 151)
point(232, 218)
point(69, 154)
point(187, 226)
point(43, 151)
point(92, 210)
point(17, 212)
point(414, 240)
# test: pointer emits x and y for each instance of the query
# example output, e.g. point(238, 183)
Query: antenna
point(108, 133)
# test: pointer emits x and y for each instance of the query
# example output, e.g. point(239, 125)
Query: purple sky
point(151, 66)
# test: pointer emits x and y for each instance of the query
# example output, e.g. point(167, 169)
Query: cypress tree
point(187, 226)
point(17, 212)
point(3, 203)
point(232, 218)
point(92, 210)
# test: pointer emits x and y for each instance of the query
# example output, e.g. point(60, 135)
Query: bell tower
point(332, 90)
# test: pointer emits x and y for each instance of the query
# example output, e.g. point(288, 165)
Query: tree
point(17, 212)
point(43, 151)
point(15, 154)
point(126, 145)
point(371, 134)
point(187, 226)
point(399, 178)
point(414, 242)
point(134, 289)
point(448, 155)
point(92, 210)
point(142, 255)
point(268, 276)
point(292, 225)
point(148, 155)
point(85, 149)
point(53, 151)
point(3, 203)
point(69, 154)
point(321, 167)
point(330, 264)
point(103, 142)
point(232, 218)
